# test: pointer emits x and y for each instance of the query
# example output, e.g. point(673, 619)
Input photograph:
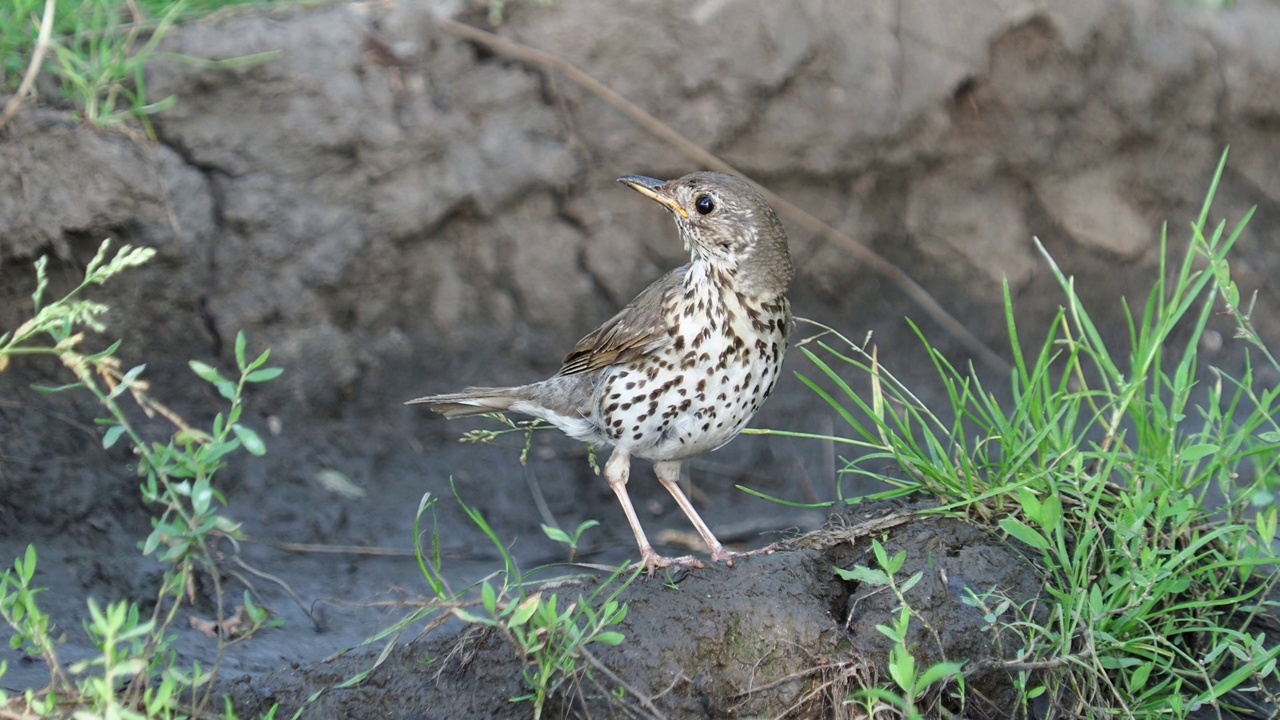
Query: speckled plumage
point(680, 370)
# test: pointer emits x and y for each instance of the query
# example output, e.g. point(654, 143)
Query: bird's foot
point(719, 554)
point(650, 561)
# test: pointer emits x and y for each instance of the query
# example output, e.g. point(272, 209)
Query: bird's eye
point(704, 204)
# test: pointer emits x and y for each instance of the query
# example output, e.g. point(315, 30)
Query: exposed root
point(839, 531)
point(834, 681)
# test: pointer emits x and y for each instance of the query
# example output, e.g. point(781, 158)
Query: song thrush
point(681, 370)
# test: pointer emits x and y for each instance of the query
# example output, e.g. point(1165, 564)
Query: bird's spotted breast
point(702, 388)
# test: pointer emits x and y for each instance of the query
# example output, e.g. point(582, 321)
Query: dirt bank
point(396, 211)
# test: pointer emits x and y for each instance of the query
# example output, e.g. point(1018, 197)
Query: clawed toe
point(651, 561)
point(719, 554)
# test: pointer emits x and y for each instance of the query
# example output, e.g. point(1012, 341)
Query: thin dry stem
point(272, 578)
point(37, 59)
point(631, 690)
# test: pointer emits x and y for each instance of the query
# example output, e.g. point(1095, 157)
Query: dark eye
point(704, 204)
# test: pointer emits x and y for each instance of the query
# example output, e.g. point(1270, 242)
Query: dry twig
point(37, 59)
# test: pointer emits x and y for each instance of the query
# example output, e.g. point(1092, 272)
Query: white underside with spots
point(705, 425)
point(715, 388)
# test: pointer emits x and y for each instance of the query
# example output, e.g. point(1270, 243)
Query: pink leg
point(617, 471)
point(668, 472)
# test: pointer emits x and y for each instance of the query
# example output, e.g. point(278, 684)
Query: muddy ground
point(777, 635)
point(397, 211)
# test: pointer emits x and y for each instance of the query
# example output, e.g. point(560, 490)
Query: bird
point(682, 369)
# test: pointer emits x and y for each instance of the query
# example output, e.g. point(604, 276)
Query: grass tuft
point(1140, 482)
point(97, 51)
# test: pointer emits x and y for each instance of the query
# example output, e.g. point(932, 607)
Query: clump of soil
point(777, 635)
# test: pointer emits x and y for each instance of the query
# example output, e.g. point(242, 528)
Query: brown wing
point(638, 329)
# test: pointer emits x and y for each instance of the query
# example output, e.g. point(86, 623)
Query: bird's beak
point(648, 187)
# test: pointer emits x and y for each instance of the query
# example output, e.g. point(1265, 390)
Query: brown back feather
point(636, 330)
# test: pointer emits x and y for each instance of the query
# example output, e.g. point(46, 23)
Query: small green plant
point(135, 675)
point(481, 436)
point(18, 607)
point(1138, 481)
point(552, 640)
point(570, 539)
point(550, 634)
point(122, 639)
point(913, 683)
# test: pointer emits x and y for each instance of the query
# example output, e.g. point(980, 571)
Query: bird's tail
point(472, 401)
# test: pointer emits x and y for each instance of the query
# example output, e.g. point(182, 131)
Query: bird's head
point(725, 222)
